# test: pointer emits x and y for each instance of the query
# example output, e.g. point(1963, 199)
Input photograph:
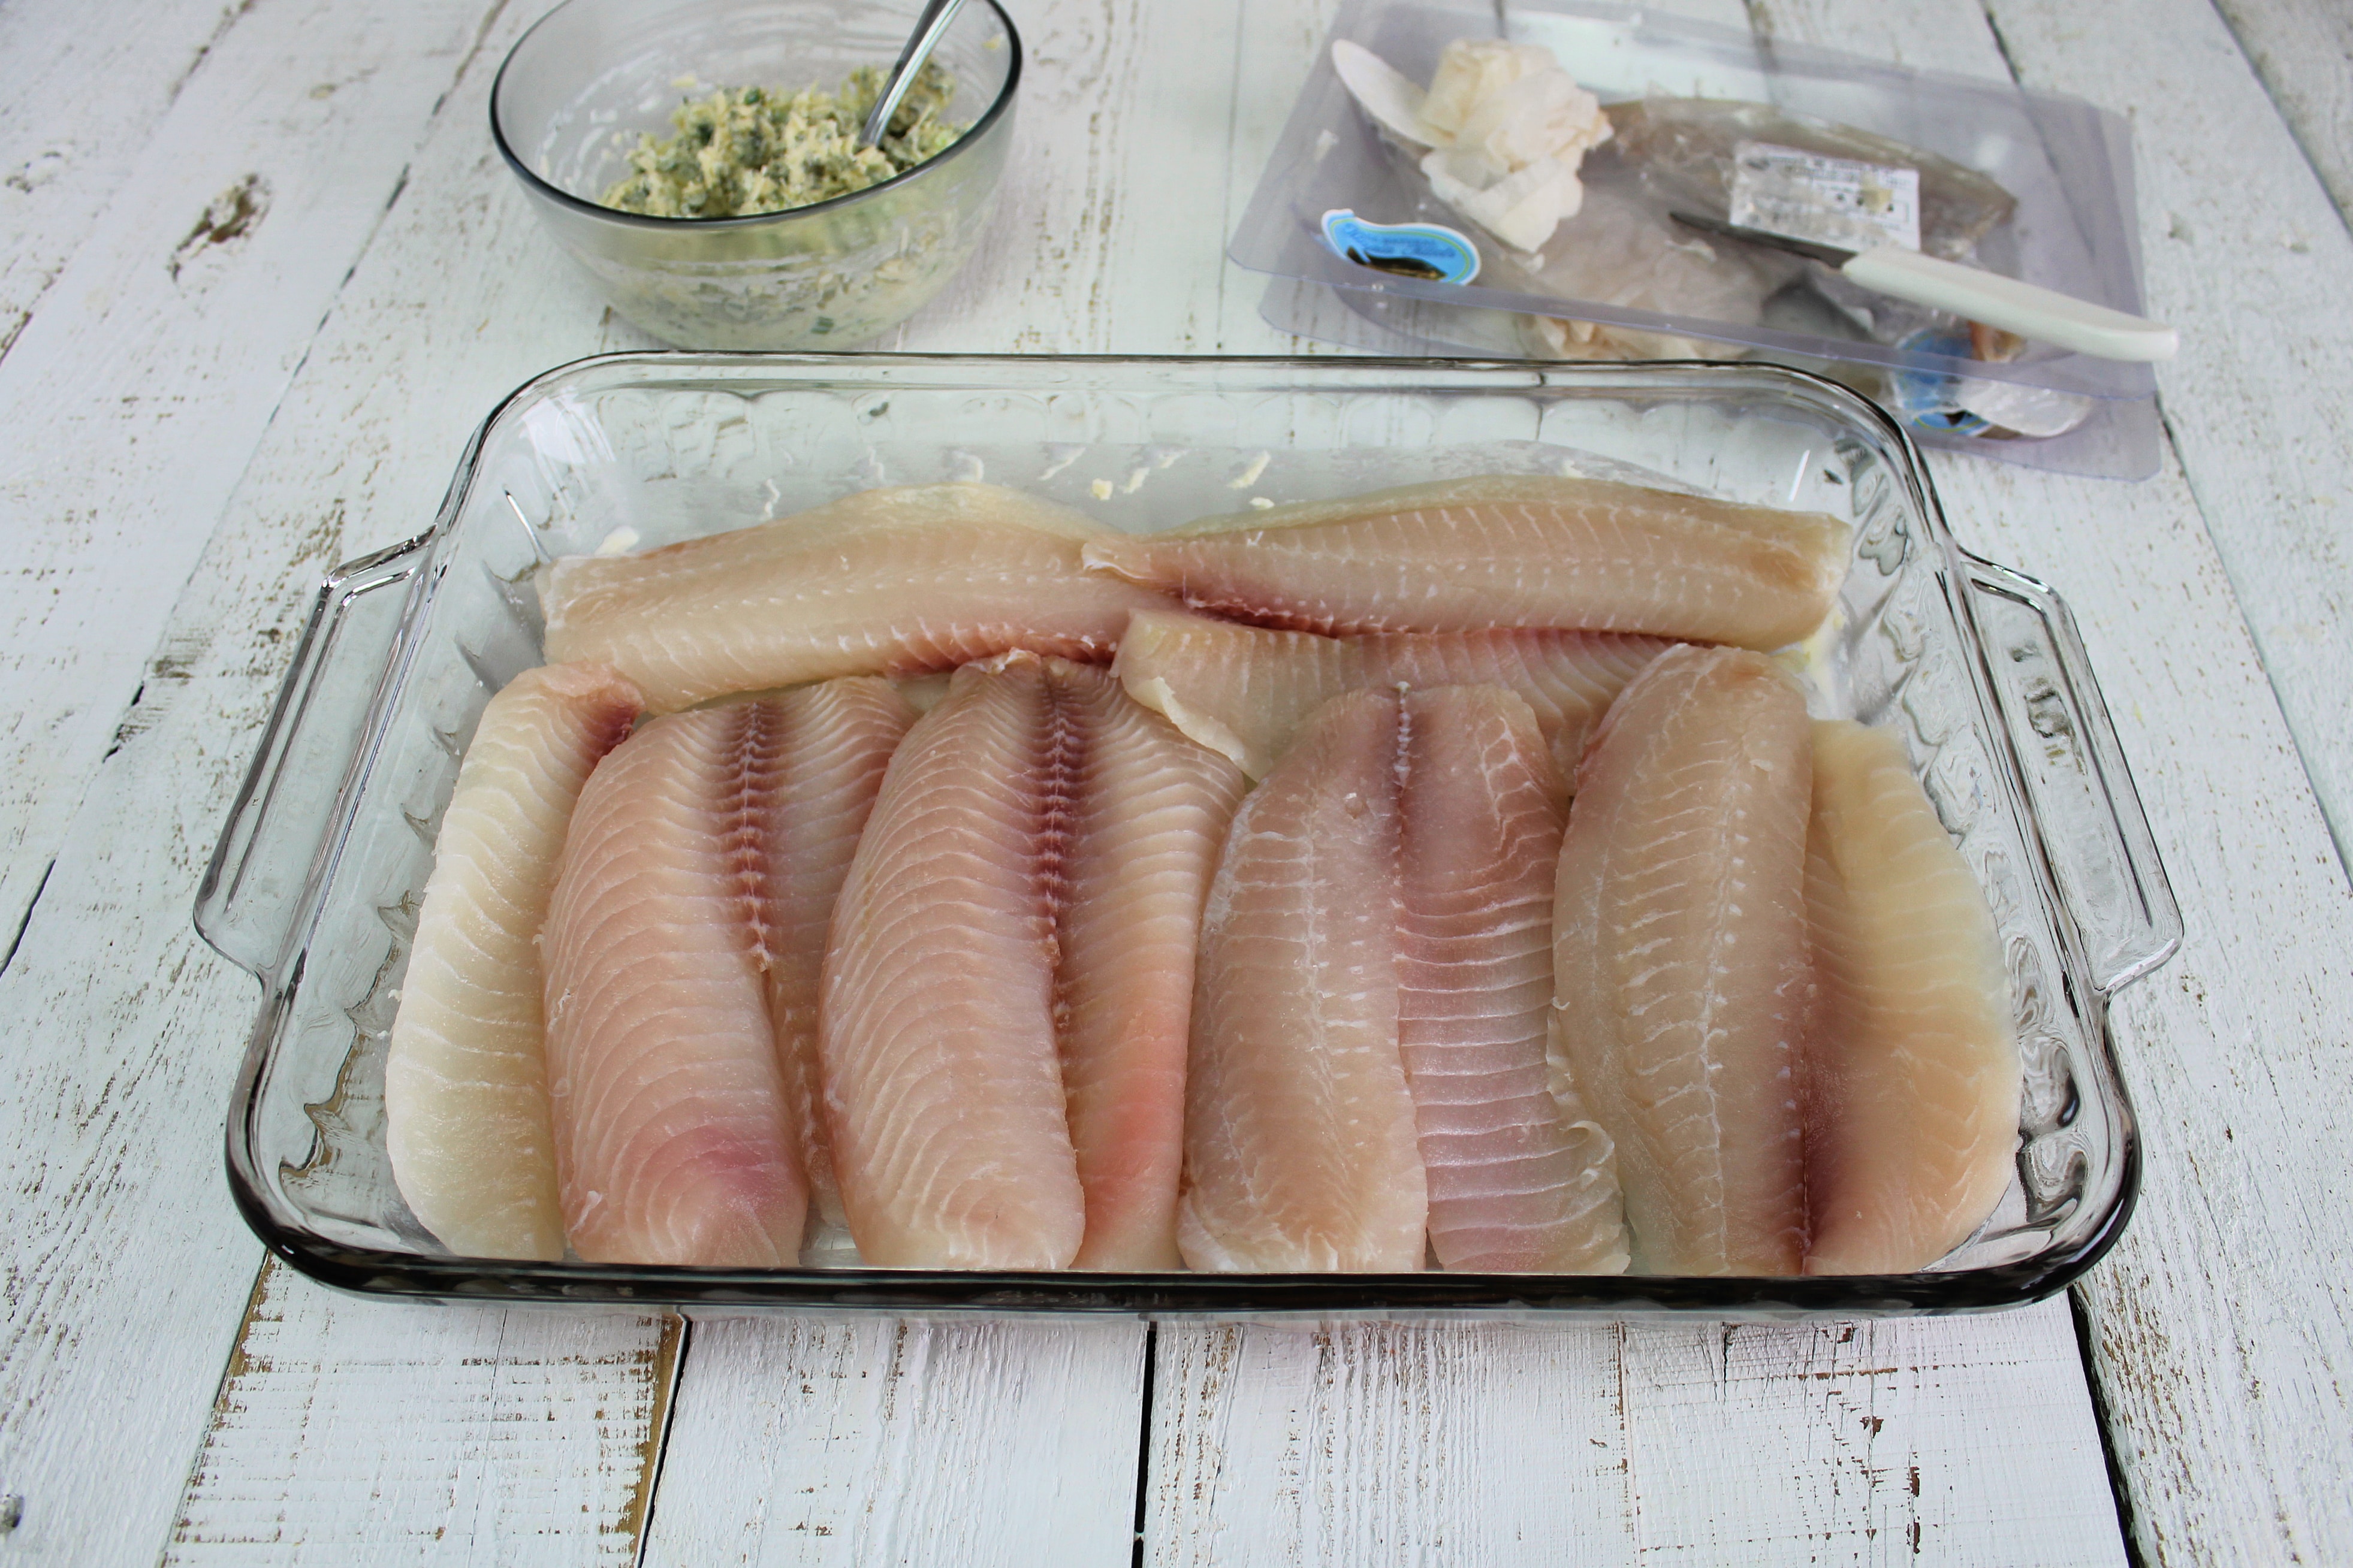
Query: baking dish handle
point(267, 858)
point(2095, 834)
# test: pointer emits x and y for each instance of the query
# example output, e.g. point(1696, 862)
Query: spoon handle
point(930, 27)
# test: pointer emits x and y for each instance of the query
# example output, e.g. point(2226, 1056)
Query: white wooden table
point(260, 272)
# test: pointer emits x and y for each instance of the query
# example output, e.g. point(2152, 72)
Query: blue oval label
point(1430, 251)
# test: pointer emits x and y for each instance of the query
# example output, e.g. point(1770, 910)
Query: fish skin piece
point(1300, 1150)
point(465, 1075)
point(901, 581)
point(1151, 809)
point(942, 1074)
point(1680, 975)
point(1504, 549)
point(1913, 1078)
point(1480, 827)
point(1244, 691)
point(674, 1136)
point(836, 739)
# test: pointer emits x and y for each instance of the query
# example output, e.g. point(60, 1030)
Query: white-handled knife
point(2026, 309)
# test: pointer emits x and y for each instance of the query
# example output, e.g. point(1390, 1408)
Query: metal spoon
point(930, 28)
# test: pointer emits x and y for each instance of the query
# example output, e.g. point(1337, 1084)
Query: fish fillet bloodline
point(674, 1129)
point(1505, 551)
point(1245, 690)
point(898, 582)
point(465, 1079)
point(1007, 988)
point(1913, 1077)
point(1681, 975)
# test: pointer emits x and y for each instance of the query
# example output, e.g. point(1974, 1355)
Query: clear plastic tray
point(2068, 164)
point(316, 882)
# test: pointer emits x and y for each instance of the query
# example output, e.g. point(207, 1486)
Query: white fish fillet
point(1007, 994)
point(887, 582)
point(465, 1079)
point(1681, 972)
point(1913, 1073)
point(1245, 690)
point(1511, 1188)
point(674, 1135)
point(1151, 810)
point(835, 738)
point(1505, 551)
point(1300, 1150)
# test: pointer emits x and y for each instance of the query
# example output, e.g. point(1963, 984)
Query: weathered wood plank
point(821, 1440)
point(361, 1432)
point(2304, 51)
point(1948, 1441)
point(134, 396)
point(81, 88)
point(2248, 256)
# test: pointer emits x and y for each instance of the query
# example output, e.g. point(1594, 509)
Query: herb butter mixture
point(761, 149)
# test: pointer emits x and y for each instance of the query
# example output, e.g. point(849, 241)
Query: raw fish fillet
point(1007, 992)
point(1504, 549)
point(887, 582)
point(1913, 1077)
point(1480, 824)
point(465, 1079)
point(1680, 963)
point(674, 1134)
point(835, 738)
point(1245, 690)
point(1301, 1151)
point(1152, 809)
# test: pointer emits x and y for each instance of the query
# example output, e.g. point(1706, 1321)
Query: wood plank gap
point(670, 1361)
point(1144, 1437)
point(25, 924)
point(2080, 1315)
point(233, 1373)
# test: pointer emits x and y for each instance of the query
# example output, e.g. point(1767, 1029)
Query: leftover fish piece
point(749, 150)
point(1618, 251)
point(1681, 976)
point(674, 1128)
point(465, 1075)
point(1499, 135)
point(1302, 1152)
point(1245, 690)
point(1512, 1188)
point(1008, 991)
point(900, 580)
point(1913, 1078)
point(1503, 550)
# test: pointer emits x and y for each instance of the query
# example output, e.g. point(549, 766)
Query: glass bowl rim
point(540, 186)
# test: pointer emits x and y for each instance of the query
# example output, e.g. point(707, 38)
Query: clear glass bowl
point(592, 74)
point(321, 868)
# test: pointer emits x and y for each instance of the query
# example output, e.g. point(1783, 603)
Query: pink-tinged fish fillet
point(464, 1080)
point(674, 1136)
point(1481, 820)
point(1301, 1152)
point(1151, 809)
point(1680, 963)
point(1008, 994)
point(834, 741)
point(1245, 690)
point(1505, 551)
point(1912, 1077)
point(887, 582)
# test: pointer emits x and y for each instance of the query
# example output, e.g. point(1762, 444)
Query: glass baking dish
point(315, 885)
